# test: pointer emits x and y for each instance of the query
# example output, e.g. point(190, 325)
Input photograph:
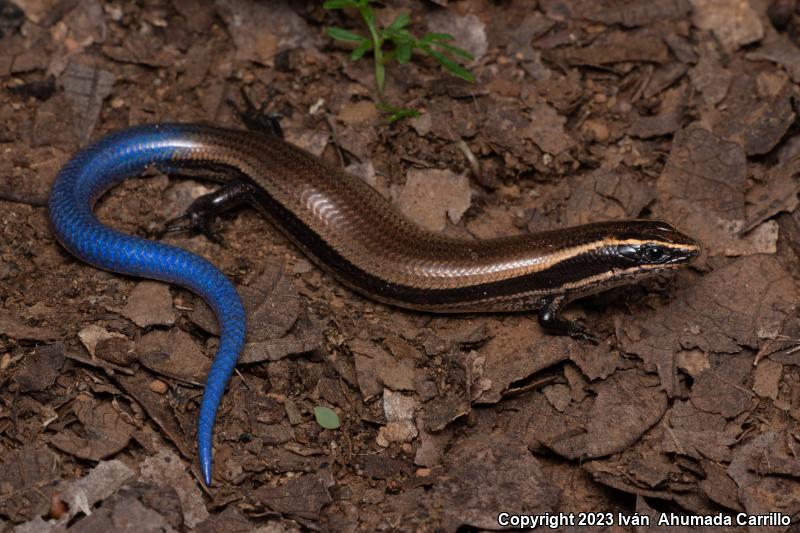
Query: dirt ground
point(583, 110)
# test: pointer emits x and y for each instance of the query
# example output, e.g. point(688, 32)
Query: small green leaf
point(393, 114)
point(339, 4)
point(437, 37)
point(342, 34)
point(399, 37)
point(326, 417)
point(400, 22)
point(430, 38)
point(455, 51)
point(451, 65)
point(403, 52)
point(359, 52)
point(401, 114)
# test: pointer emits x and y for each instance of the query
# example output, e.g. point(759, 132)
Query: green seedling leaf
point(342, 34)
point(452, 66)
point(430, 37)
point(400, 22)
point(326, 417)
point(339, 4)
point(400, 114)
point(403, 52)
point(403, 45)
point(455, 51)
point(362, 49)
point(399, 37)
point(393, 114)
point(441, 36)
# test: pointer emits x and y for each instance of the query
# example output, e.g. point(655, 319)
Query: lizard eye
point(653, 254)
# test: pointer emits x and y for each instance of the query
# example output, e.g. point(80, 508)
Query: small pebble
point(596, 129)
point(158, 386)
point(57, 506)
point(5, 361)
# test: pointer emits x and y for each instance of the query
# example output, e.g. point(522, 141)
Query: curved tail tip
point(205, 466)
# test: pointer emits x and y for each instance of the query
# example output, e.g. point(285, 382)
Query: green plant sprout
point(404, 43)
point(326, 417)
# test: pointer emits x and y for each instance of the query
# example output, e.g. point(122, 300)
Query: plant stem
point(368, 16)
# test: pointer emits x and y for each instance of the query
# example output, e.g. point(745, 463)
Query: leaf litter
point(682, 110)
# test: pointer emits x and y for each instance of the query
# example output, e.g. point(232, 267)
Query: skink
point(347, 229)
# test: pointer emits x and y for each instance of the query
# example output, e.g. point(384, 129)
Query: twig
point(510, 393)
point(32, 200)
point(335, 138)
point(767, 348)
point(99, 363)
point(471, 159)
